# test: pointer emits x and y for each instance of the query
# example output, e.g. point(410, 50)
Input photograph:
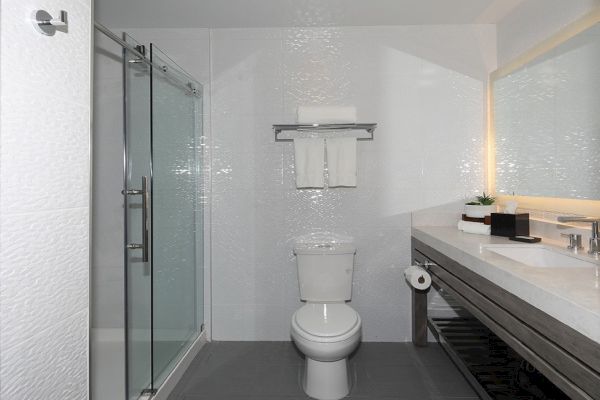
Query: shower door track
point(189, 86)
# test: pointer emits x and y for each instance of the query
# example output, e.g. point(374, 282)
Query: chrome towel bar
point(370, 128)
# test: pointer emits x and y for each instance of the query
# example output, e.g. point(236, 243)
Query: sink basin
point(540, 257)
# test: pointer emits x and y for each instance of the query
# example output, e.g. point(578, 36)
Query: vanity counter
point(570, 295)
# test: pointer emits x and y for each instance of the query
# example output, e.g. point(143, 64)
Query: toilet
point(325, 329)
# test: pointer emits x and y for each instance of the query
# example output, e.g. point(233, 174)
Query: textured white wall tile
point(385, 324)
point(65, 70)
point(45, 152)
point(428, 150)
point(189, 48)
point(50, 365)
point(445, 215)
point(45, 281)
point(250, 322)
point(44, 186)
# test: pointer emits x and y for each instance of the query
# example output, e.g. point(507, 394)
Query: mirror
point(546, 119)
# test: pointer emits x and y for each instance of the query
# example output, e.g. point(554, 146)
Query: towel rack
point(370, 128)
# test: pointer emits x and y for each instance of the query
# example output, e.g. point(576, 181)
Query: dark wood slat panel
point(454, 356)
point(577, 372)
point(419, 317)
point(571, 367)
point(572, 341)
point(572, 390)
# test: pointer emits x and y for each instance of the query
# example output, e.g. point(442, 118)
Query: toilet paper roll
point(417, 277)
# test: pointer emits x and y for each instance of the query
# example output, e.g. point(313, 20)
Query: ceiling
point(277, 13)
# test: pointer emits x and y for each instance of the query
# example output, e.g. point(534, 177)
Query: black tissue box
point(510, 225)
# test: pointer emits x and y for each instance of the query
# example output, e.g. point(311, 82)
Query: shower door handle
point(145, 234)
point(145, 218)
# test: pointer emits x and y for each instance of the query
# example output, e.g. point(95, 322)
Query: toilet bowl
point(325, 329)
point(326, 333)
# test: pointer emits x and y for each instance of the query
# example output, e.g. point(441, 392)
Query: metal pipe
point(568, 218)
point(188, 86)
point(121, 42)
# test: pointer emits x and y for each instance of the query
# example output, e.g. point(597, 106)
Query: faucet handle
point(595, 240)
point(574, 241)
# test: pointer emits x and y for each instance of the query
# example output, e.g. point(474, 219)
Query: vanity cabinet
point(566, 357)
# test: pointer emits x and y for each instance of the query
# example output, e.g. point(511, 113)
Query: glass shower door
point(163, 188)
point(177, 219)
point(136, 191)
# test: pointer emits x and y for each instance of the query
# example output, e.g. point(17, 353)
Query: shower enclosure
point(162, 210)
point(163, 217)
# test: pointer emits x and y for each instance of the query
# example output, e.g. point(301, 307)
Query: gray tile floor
point(271, 370)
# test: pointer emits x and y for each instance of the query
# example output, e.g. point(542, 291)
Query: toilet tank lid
point(324, 248)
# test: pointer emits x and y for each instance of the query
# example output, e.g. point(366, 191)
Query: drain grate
point(494, 369)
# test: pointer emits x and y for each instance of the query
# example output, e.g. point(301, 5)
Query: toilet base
point(326, 380)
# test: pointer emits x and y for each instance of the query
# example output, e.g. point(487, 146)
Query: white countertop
point(571, 295)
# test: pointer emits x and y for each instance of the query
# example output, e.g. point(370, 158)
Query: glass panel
point(138, 272)
point(177, 260)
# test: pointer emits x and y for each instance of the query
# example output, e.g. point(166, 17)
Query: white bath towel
point(326, 115)
point(341, 161)
point(474, 227)
point(309, 158)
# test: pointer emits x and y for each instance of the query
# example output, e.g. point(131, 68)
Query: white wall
point(107, 214)
point(533, 21)
point(107, 269)
point(423, 85)
point(44, 210)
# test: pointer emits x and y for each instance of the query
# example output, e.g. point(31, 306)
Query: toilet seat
point(326, 322)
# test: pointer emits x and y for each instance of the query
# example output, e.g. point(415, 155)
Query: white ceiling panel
point(274, 13)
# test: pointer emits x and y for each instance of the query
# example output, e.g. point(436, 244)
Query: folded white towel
point(309, 158)
point(474, 227)
point(326, 115)
point(341, 161)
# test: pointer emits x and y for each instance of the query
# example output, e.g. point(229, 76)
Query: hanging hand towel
point(341, 161)
point(326, 115)
point(309, 159)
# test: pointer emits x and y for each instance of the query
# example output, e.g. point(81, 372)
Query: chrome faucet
point(574, 241)
point(595, 238)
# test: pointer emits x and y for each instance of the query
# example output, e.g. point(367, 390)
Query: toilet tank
point(325, 271)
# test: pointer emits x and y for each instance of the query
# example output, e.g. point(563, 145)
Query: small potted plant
point(481, 208)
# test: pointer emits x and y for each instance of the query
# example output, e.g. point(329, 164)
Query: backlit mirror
point(546, 119)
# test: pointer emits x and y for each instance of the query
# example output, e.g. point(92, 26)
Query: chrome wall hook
point(46, 25)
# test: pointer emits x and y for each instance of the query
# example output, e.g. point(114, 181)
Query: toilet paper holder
point(425, 264)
